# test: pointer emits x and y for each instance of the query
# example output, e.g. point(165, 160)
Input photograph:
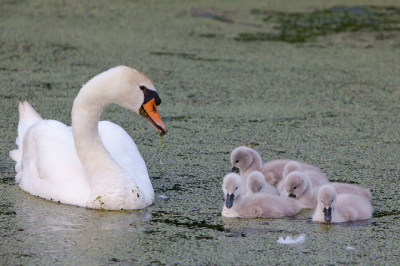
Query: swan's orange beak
point(149, 112)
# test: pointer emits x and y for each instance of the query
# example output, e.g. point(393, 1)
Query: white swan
point(259, 205)
point(337, 208)
point(91, 164)
point(256, 184)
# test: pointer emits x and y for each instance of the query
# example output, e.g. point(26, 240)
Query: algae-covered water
point(229, 73)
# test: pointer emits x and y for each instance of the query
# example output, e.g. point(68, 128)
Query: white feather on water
point(292, 240)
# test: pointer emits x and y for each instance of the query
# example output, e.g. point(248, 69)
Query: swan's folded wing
point(51, 168)
point(124, 151)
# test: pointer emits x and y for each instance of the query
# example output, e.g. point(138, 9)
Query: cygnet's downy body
point(259, 205)
point(342, 188)
point(256, 183)
point(333, 207)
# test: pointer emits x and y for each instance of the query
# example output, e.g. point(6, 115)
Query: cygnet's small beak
point(229, 200)
point(292, 195)
point(235, 169)
point(149, 112)
point(328, 215)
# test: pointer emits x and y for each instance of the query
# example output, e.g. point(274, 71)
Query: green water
point(299, 27)
point(332, 101)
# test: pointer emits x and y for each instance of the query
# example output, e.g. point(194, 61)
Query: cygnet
point(337, 208)
point(298, 185)
point(256, 184)
point(259, 205)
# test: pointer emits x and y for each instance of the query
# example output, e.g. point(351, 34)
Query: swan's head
point(255, 183)
point(327, 200)
point(242, 158)
point(290, 167)
point(295, 184)
point(126, 87)
point(232, 187)
point(139, 86)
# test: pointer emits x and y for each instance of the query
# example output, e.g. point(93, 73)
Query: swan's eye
point(236, 188)
point(142, 87)
point(237, 161)
point(294, 187)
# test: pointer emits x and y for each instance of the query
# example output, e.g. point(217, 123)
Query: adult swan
point(91, 164)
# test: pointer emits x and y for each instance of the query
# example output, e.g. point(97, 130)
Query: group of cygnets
point(281, 188)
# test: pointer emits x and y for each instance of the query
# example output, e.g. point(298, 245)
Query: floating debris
point(292, 240)
point(163, 197)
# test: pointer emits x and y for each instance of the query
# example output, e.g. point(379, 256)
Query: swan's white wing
point(51, 168)
point(124, 151)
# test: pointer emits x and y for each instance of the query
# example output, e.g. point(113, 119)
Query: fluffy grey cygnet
point(336, 207)
point(298, 185)
point(256, 184)
point(259, 205)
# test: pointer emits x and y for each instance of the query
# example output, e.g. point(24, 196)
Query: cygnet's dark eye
point(237, 161)
point(236, 188)
point(294, 187)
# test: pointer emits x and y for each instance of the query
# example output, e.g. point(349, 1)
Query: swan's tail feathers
point(27, 117)
point(16, 155)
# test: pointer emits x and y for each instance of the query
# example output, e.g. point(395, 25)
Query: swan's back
point(273, 170)
point(342, 188)
point(352, 208)
point(276, 171)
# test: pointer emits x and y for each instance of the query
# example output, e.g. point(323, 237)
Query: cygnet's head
point(290, 167)
point(327, 199)
point(232, 187)
point(296, 184)
point(243, 157)
point(255, 183)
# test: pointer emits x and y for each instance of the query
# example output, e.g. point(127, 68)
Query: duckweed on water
point(302, 27)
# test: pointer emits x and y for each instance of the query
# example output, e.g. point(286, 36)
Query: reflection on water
point(40, 229)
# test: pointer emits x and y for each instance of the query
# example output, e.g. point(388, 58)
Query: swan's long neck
point(87, 139)
point(88, 106)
